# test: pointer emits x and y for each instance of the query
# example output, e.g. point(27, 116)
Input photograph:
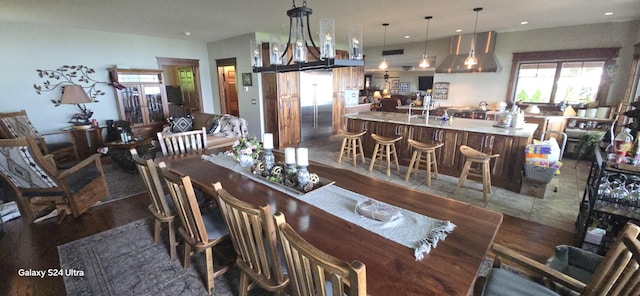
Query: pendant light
point(471, 60)
point(424, 62)
point(383, 63)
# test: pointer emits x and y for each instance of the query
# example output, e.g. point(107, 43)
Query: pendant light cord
point(475, 29)
point(426, 38)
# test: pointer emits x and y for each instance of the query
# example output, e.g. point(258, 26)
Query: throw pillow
point(181, 124)
point(215, 127)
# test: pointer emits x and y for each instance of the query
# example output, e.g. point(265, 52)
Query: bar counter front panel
point(506, 170)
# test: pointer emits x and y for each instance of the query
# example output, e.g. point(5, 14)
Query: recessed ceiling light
point(407, 36)
point(458, 30)
point(187, 33)
point(608, 13)
point(524, 23)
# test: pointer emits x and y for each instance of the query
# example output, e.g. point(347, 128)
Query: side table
point(119, 152)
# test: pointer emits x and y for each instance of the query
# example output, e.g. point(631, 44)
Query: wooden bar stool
point(352, 144)
point(471, 156)
point(383, 149)
point(428, 158)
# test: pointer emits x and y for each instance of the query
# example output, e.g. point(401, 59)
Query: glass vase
point(245, 160)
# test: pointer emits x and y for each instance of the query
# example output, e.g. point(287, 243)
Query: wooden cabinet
point(448, 155)
point(282, 107)
point(141, 99)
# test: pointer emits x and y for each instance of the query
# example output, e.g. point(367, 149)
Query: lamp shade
point(385, 93)
point(377, 95)
point(74, 94)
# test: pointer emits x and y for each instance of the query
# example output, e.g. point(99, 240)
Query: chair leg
point(209, 258)
point(360, 147)
point(156, 231)
point(172, 240)
point(486, 183)
point(429, 169)
point(344, 142)
point(463, 175)
point(416, 167)
point(244, 284)
point(413, 160)
point(187, 255)
point(395, 156)
point(373, 157)
point(388, 153)
point(354, 151)
point(434, 163)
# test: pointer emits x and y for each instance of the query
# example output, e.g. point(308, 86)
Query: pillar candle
point(289, 155)
point(302, 155)
point(267, 141)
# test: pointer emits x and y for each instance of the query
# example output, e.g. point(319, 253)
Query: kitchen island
point(506, 170)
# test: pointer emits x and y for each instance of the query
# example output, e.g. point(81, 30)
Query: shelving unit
point(577, 126)
point(598, 211)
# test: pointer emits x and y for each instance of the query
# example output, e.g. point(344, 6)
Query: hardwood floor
point(34, 246)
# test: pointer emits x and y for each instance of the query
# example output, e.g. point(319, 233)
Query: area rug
point(126, 261)
point(121, 183)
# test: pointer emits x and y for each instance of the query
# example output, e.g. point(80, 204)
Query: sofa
point(223, 129)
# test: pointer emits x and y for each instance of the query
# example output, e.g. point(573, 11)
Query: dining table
point(451, 268)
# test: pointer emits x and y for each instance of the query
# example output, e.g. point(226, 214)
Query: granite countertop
point(462, 124)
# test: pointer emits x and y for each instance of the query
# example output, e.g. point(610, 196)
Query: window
point(551, 77)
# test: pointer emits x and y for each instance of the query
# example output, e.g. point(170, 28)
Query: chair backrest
point(253, 233)
point(389, 105)
point(24, 166)
point(184, 142)
point(151, 179)
point(184, 199)
point(17, 125)
point(619, 273)
point(310, 269)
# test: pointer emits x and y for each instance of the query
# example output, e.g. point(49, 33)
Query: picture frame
point(404, 87)
point(395, 84)
point(247, 79)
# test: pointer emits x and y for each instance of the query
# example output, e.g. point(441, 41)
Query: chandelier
point(301, 53)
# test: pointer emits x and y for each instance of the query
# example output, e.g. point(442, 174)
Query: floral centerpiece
point(280, 175)
point(246, 151)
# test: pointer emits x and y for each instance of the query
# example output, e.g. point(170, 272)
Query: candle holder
point(303, 176)
point(268, 159)
point(291, 169)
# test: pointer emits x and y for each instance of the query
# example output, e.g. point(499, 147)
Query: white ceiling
point(214, 20)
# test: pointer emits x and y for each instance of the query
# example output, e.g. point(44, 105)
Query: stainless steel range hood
point(459, 51)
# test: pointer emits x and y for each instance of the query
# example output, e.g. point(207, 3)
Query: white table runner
point(412, 230)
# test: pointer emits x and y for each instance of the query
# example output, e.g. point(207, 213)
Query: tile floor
point(557, 209)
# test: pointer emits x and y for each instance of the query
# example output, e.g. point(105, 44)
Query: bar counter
point(460, 124)
point(506, 170)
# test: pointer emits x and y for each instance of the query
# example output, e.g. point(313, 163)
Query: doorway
point(182, 82)
point(227, 86)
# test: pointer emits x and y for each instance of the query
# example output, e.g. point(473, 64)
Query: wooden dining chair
point(161, 208)
point(310, 270)
point(184, 142)
point(617, 274)
point(40, 187)
point(254, 237)
point(201, 232)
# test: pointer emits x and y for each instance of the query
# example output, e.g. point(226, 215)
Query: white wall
point(467, 89)
point(249, 98)
point(26, 48)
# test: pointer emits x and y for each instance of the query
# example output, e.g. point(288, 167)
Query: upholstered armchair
point(40, 187)
point(16, 125)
